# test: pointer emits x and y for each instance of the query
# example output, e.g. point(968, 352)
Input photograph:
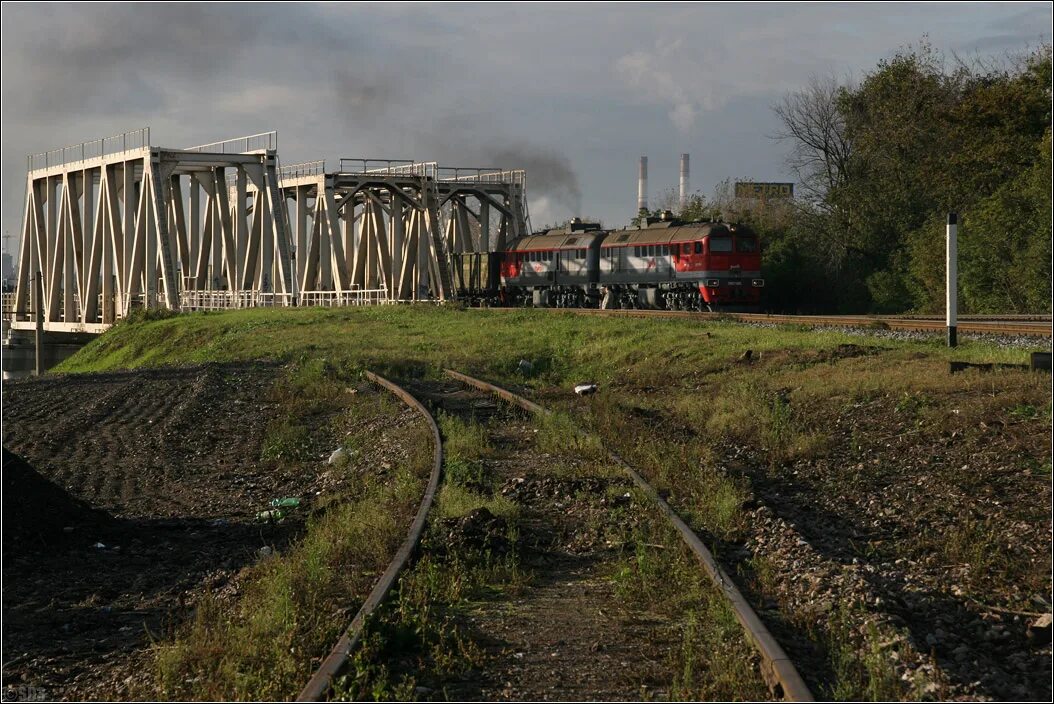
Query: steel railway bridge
point(118, 224)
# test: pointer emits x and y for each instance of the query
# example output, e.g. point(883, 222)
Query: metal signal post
point(952, 273)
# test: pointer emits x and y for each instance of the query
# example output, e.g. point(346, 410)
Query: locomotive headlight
point(713, 283)
point(757, 282)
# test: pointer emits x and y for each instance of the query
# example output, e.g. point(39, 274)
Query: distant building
point(7, 265)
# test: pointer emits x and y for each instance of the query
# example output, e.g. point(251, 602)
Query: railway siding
point(546, 575)
point(777, 667)
point(868, 505)
point(336, 662)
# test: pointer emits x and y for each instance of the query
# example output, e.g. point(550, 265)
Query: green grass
point(674, 396)
point(562, 347)
point(714, 661)
point(291, 607)
point(261, 647)
point(421, 634)
point(466, 439)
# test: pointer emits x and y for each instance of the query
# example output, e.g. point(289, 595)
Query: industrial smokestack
point(642, 185)
point(684, 181)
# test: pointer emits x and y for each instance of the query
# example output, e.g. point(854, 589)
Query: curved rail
point(1010, 325)
point(321, 682)
point(776, 667)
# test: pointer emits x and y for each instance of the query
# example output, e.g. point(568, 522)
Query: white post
point(642, 185)
point(951, 269)
point(684, 182)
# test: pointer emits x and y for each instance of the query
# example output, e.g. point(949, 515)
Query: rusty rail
point(337, 660)
point(776, 667)
point(989, 325)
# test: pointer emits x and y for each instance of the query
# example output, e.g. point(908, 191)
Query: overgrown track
point(321, 682)
point(992, 325)
point(777, 667)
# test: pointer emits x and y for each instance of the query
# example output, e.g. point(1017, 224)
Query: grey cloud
point(363, 96)
point(539, 87)
point(548, 172)
point(102, 57)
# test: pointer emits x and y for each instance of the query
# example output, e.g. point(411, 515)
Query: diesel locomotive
point(664, 264)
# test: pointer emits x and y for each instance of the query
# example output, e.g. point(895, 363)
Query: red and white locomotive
point(664, 263)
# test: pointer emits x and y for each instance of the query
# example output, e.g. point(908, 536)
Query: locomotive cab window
point(698, 247)
point(720, 244)
point(746, 245)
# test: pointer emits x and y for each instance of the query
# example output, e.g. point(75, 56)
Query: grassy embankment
point(676, 395)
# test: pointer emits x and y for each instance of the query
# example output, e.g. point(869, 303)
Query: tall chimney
point(684, 181)
point(642, 185)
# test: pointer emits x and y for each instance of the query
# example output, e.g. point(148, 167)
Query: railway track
point(1017, 325)
point(777, 668)
point(337, 660)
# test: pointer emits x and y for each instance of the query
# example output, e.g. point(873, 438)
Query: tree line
point(878, 166)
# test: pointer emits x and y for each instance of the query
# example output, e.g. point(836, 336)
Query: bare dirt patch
point(933, 516)
point(161, 476)
point(920, 526)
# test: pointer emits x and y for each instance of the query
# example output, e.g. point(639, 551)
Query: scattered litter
point(746, 356)
point(218, 523)
point(274, 515)
point(1039, 629)
point(585, 389)
point(524, 367)
point(99, 546)
point(340, 455)
point(288, 502)
point(265, 552)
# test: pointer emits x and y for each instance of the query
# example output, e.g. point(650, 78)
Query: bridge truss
point(381, 223)
point(118, 224)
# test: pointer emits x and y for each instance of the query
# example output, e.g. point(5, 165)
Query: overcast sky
point(573, 93)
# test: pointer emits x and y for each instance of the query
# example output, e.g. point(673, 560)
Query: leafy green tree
point(881, 163)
